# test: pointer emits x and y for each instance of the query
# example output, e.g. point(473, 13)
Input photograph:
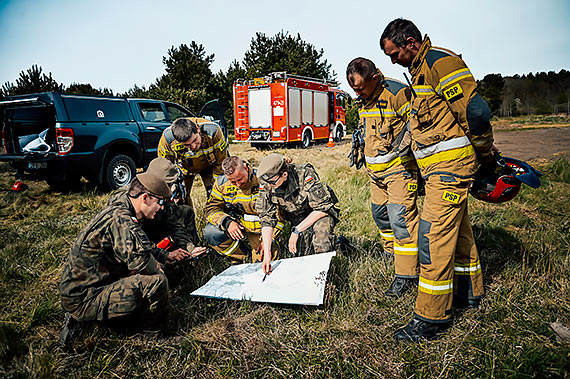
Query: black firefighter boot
point(70, 330)
point(418, 329)
point(400, 285)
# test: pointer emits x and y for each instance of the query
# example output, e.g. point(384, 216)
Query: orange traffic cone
point(331, 142)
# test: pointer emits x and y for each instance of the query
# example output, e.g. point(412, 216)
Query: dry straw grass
point(524, 249)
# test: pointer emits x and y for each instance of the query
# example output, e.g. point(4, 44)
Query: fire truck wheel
point(306, 141)
point(338, 135)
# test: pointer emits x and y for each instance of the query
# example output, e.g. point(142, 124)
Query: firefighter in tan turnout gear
point(233, 227)
point(384, 105)
point(450, 132)
point(196, 146)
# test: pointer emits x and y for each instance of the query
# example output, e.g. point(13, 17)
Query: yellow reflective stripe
point(217, 194)
point(435, 287)
point(387, 236)
point(405, 249)
point(369, 112)
point(404, 108)
point(230, 250)
point(455, 76)
point(251, 224)
point(279, 226)
point(385, 166)
point(221, 144)
point(210, 218)
point(245, 198)
point(467, 268)
point(423, 90)
point(445, 156)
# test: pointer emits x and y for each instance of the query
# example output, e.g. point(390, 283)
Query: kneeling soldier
point(295, 192)
point(230, 212)
point(111, 273)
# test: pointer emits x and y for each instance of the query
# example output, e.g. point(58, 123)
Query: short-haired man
point(233, 227)
point(196, 146)
point(384, 105)
point(174, 221)
point(299, 196)
point(111, 272)
point(450, 132)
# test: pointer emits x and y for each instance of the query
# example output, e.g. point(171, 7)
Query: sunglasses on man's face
point(160, 200)
point(274, 181)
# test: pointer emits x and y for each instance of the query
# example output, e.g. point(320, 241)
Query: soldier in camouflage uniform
point(196, 146)
point(305, 201)
point(111, 271)
point(175, 221)
point(233, 227)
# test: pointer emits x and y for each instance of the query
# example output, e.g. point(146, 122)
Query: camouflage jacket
point(303, 193)
point(174, 221)
point(212, 152)
point(228, 202)
point(112, 246)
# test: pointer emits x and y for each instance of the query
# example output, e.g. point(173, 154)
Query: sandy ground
point(534, 144)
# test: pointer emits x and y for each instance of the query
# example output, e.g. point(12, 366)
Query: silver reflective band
point(442, 146)
point(251, 218)
point(381, 158)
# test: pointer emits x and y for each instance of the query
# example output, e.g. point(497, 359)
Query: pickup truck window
point(176, 112)
point(152, 112)
point(85, 108)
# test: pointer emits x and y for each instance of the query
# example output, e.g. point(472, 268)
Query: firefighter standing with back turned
point(384, 105)
point(451, 132)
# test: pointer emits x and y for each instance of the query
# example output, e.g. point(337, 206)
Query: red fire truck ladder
point(242, 110)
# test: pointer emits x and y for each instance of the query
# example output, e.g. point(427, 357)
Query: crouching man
point(111, 273)
point(233, 227)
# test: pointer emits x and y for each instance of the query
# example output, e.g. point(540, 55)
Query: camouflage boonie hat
point(270, 166)
point(155, 185)
point(163, 168)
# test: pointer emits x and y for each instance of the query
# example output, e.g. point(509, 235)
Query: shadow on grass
point(497, 249)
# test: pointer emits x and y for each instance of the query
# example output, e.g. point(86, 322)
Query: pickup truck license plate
point(37, 165)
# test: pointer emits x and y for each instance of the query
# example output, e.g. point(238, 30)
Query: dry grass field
point(524, 247)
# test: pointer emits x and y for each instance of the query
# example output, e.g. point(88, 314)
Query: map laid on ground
point(298, 280)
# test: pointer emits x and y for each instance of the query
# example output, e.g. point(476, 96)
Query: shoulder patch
point(209, 128)
point(394, 86)
point(308, 178)
point(222, 179)
point(134, 219)
point(433, 56)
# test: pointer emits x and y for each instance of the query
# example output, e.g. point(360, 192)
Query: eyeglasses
point(160, 199)
point(273, 182)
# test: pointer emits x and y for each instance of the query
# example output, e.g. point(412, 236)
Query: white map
point(298, 280)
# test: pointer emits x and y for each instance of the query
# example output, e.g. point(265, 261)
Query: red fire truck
point(281, 108)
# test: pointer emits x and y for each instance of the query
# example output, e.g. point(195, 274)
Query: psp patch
point(451, 197)
point(453, 93)
point(412, 187)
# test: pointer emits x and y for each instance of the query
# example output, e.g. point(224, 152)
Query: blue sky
point(120, 43)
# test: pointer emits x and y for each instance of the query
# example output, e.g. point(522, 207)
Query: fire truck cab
point(283, 108)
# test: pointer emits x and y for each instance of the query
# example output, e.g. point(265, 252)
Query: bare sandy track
point(533, 144)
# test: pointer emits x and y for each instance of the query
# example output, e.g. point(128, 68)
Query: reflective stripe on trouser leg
point(224, 245)
point(404, 218)
point(444, 208)
point(468, 276)
point(379, 199)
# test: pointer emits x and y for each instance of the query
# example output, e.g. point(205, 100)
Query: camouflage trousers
point(142, 295)
point(241, 251)
point(318, 238)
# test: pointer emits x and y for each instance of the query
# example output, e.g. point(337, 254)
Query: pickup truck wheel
point(306, 141)
point(120, 170)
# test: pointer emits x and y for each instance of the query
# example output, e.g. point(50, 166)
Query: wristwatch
point(296, 231)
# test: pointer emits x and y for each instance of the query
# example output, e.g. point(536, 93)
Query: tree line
point(190, 81)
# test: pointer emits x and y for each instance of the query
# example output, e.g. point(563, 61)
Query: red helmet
point(504, 184)
point(19, 186)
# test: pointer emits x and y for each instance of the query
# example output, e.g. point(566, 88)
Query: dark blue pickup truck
point(61, 137)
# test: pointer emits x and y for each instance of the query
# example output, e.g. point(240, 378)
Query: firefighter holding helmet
point(451, 135)
point(384, 105)
point(196, 146)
